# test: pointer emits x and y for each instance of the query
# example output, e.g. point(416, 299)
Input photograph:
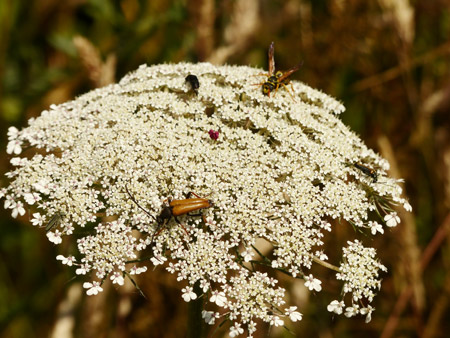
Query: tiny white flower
point(351, 311)
point(321, 255)
point(312, 283)
point(251, 327)
point(93, 288)
point(188, 294)
point(248, 255)
point(236, 330)
point(293, 315)
point(336, 307)
point(9, 202)
point(14, 146)
point(158, 259)
point(367, 311)
point(204, 285)
point(375, 227)
point(42, 186)
point(31, 198)
point(54, 237)
point(37, 219)
point(82, 270)
point(117, 278)
point(209, 317)
point(136, 271)
point(277, 321)
point(66, 260)
point(171, 268)
point(18, 209)
point(218, 298)
point(407, 206)
point(18, 161)
point(392, 219)
point(13, 133)
point(326, 226)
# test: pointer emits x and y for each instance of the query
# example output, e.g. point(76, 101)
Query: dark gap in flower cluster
point(209, 110)
point(318, 183)
point(305, 99)
point(272, 141)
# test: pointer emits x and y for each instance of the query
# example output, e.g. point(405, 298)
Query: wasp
point(368, 171)
point(193, 81)
point(276, 79)
point(173, 208)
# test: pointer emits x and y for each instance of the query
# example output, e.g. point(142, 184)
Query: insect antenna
point(140, 207)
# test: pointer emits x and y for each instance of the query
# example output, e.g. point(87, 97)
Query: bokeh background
point(386, 60)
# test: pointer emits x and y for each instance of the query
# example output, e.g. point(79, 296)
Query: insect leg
point(192, 193)
point(199, 215)
point(289, 92)
point(261, 74)
point(176, 219)
point(258, 84)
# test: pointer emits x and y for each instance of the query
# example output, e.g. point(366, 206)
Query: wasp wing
point(287, 73)
point(271, 59)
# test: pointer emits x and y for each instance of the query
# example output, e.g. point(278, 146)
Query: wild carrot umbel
point(281, 171)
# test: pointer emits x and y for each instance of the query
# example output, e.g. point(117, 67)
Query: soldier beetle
point(368, 171)
point(173, 208)
point(54, 221)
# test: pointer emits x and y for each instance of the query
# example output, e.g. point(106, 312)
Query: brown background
point(386, 60)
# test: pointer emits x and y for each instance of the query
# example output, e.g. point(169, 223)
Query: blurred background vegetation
point(386, 60)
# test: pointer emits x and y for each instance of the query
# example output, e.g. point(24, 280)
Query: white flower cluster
point(276, 168)
point(359, 271)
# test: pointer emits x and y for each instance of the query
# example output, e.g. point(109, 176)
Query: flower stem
point(195, 323)
point(325, 264)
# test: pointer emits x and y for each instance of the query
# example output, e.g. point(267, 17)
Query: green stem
point(195, 325)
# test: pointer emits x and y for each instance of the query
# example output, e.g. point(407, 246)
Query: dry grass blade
point(99, 73)
point(403, 16)
point(394, 72)
point(435, 243)
point(437, 315)
point(243, 26)
point(409, 237)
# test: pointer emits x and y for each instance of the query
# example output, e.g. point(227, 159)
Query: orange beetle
point(175, 208)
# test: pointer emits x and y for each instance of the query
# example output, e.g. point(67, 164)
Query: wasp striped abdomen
point(270, 85)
